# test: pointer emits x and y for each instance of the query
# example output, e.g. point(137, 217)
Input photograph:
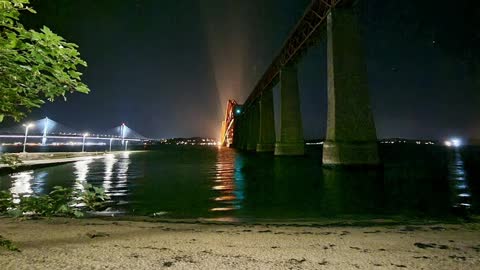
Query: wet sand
point(111, 244)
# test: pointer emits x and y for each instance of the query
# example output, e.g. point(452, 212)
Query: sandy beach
point(113, 244)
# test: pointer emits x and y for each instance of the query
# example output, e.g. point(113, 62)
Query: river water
point(417, 181)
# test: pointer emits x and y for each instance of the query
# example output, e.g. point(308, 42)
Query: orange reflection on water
point(229, 186)
point(222, 209)
point(224, 182)
point(225, 198)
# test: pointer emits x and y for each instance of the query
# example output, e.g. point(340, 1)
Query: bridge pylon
point(351, 135)
point(266, 138)
point(291, 141)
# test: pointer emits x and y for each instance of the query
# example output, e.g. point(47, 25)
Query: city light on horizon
point(454, 142)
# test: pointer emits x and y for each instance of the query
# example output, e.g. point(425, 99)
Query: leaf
point(35, 65)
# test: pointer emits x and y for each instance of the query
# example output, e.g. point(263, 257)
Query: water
point(192, 182)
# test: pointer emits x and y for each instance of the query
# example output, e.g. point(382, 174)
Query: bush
point(11, 160)
point(56, 203)
point(6, 201)
point(94, 198)
point(60, 202)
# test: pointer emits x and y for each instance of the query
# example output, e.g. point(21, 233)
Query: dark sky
point(167, 68)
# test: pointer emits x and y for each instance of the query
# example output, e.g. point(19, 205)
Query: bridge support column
point(291, 129)
point(242, 131)
point(236, 133)
point(351, 135)
point(253, 124)
point(266, 137)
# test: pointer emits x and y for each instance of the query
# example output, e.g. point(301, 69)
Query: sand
point(112, 244)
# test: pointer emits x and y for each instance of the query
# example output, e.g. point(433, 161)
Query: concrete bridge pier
point(266, 136)
point(245, 132)
point(351, 135)
point(253, 125)
point(236, 133)
point(291, 141)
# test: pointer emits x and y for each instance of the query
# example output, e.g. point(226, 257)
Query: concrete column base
point(289, 149)
point(265, 147)
point(350, 154)
point(251, 147)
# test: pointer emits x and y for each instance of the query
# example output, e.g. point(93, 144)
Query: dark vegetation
point(59, 202)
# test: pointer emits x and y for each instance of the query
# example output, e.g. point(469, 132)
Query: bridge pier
point(253, 124)
point(266, 138)
point(243, 132)
point(351, 136)
point(291, 129)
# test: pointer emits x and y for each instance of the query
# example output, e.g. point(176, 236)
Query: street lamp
point(83, 143)
point(27, 126)
point(111, 139)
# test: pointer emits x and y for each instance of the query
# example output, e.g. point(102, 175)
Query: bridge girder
point(299, 40)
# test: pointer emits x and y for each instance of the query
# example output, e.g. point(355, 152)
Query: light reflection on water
point(227, 182)
point(21, 185)
point(27, 183)
point(81, 172)
point(457, 176)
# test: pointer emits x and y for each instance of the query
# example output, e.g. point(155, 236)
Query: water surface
point(192, 182)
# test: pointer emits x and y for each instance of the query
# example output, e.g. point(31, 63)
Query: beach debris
point(425, 245)
point(323, 262)
point(296, 261)
point(459, 258)
point(430, 245)
point(399, 265)
point(421, 257)
point(168, 264)
point(184, 258)
point(8, 244)
point(376, 231)
point(94, 234)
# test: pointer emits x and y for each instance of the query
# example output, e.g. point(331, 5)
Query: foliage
point(56, 203)
point(11, 160)
point(8, 244)
point(60, 202)
point(34, 66)
point(6, 201)
point(94, 198)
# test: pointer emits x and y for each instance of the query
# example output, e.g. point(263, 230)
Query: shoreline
point(95, 243)
point(37, 160)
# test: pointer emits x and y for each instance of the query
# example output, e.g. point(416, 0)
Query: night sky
point(167, 68)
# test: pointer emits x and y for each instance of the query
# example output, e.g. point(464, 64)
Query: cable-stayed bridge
point(46, 130)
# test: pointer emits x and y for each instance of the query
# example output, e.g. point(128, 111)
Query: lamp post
point(83, 143)
point(27, 126)
point(111, 139)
